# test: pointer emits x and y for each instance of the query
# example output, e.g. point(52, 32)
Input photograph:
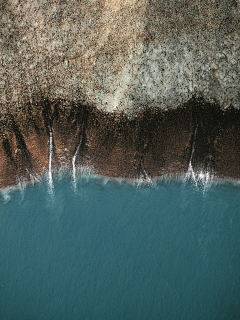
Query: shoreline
point(131, 88)
point(201, 184)
point(198, 136)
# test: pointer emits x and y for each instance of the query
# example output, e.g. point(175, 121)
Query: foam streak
point(50, 180)
point(190, 172)
point(148, 179)
point(75, 156)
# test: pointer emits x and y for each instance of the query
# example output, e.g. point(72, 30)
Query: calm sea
point(110, 250)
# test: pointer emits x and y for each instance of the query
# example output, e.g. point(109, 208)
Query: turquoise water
point(115, 251)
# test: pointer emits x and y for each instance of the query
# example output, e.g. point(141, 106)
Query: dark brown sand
point(153, 144)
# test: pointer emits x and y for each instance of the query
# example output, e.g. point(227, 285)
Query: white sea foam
point(190, 172)
point(50, 178)
point(33, 177)
point(200, 177)
point(20, 186)
point(147, 179)
point(140, 181)
point(74, 159)
point(86, 170)
point(6, 194)
point(202, 180)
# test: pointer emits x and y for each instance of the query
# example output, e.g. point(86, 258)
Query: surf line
point(75, 156)
point(50, 180)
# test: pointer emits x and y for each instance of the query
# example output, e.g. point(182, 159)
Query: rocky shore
point(132, 88)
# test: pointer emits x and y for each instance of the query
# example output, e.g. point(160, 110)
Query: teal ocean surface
point(110, 250)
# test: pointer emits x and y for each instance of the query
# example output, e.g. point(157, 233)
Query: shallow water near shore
point(100, 249)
